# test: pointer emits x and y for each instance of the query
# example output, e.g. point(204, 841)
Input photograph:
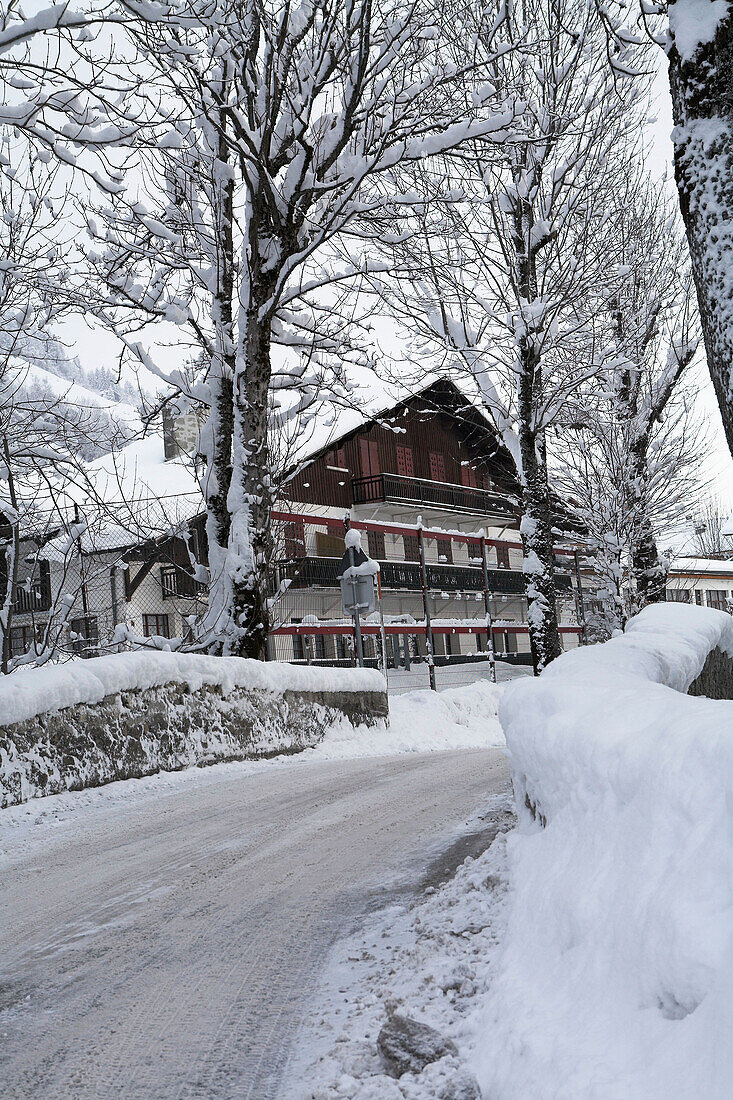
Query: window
point(84, 635)
point(336, 459)
point(412, 548)
point(405, 465)
point(718, 598)
point(375, 545)
point(295, 540)
point(369, 457)
point(156, 626)
point(502, 557)
point(21, 640)
point(437, 466)
point(698, 598)
point(678, 595)
point(445, 550)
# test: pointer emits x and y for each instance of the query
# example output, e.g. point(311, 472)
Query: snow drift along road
point(616, 980)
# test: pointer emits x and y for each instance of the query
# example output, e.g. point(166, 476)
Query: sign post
point(356, 575)
point(487, 608)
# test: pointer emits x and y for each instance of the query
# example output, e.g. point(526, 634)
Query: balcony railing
point(28, 601)
point(177, 583)
point(321, 573)
point(437, 494)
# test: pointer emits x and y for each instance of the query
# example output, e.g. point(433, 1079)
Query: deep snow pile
point(424, 721)
point(616, 977)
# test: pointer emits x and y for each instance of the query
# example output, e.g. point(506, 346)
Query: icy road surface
point(164, 944)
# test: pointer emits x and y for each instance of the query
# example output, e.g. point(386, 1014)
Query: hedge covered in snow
point(84, 723)
point(617, 975)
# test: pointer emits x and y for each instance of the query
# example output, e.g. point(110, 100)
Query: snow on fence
point(617, 975)
point(85, 723)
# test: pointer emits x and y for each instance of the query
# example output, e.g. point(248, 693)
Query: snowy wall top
point(30, 692)
point(667, 643)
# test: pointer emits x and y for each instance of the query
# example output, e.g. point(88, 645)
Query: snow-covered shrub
point(617, 975)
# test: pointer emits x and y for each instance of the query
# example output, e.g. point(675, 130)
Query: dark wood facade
point(434, 437)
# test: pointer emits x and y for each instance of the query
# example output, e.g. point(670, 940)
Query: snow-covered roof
point(686, 565)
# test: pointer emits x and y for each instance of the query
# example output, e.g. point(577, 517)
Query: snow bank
point(424, 721)
point(616, 979)
point(35, 691)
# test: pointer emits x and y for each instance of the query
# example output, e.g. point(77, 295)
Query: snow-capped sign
point(356, 573)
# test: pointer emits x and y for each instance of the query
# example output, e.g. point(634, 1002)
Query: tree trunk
point(250, 494)
point(702, 97)
point(536, 530)
point(649, 569)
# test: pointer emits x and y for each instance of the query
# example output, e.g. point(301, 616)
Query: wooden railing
point(436, 494)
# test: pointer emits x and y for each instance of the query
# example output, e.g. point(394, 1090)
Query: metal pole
point(487, 608)
point(426, 607)
point(355, 612)
point(579, 597)
point(84, 601)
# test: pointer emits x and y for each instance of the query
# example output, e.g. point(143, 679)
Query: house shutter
point(404, 462)
point(437, 466)
point(369, 455)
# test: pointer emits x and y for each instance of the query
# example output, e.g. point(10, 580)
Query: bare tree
point(503, 278)
point(709, 526)
point(630, 457)
point(698, 38)
point(280, 129)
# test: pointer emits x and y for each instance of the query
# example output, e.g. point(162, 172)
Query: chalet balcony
point(176, 583)
point(405, 575)
point(396, 488)
point(29, 601)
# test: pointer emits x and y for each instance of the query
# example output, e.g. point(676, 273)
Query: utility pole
point(426, 606)
point(487, 609)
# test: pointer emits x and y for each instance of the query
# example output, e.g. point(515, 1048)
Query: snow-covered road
point(164, 944)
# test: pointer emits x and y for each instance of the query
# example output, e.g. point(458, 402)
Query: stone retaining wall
point(165, 728)
point(716, 679)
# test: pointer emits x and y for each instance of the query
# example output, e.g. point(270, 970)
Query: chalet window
point(328, 545)
point(405, 465)
point(698, 598)
point(336, 459)
point(718, 598)
point(156, 626)
point(21, 640)
point(678, 595)
point(369, 457)
point(469, 477)
point(375, 545)
point(445, 550)
point(86, 635)
point(437, 466)
point(295, 540)
point(412, 548)
point(502, 557)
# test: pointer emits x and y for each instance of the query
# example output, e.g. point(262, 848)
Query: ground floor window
point(718, 598)
point(84, 635)
point(156, 626)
